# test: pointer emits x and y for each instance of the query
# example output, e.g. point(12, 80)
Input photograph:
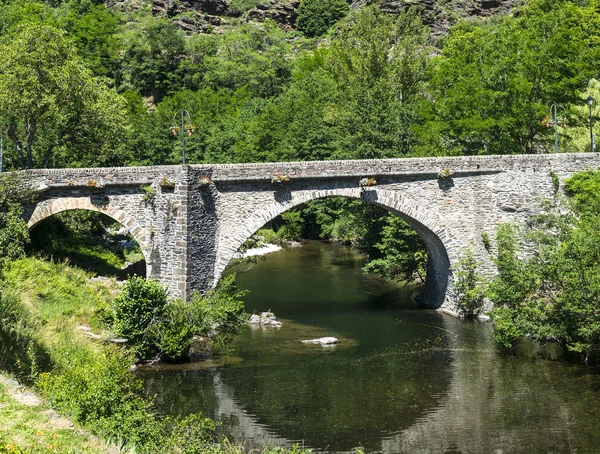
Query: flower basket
point(167, 183)
point(95, 184)
point(204, 182)
point(190, 129)
point(366, 182)
point(445, 174)
point(279, 178)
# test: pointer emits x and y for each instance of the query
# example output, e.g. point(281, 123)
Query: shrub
point(97, 390)
point(315, 17)
point(469, 285)
point(137, 312)
point(157, 325)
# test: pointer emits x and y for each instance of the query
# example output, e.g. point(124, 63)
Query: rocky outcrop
point(322, 340)
point(441, 14)
point(264, 319)
point(201, 16)
point(206, 16)
point(282, 12)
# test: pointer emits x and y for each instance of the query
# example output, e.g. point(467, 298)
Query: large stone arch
point(426, 223)
point(54, 206)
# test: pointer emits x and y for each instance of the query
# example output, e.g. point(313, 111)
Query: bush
point(315, 17)
point(157, 325)
point(97, 390)
point(138, 310)
point(469, 285)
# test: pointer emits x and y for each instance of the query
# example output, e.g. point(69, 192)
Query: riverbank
point(29, 425)
point(88, 379)
point(264, 249)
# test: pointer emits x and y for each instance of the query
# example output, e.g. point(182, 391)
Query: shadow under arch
point(41, 213)
point(424, 222)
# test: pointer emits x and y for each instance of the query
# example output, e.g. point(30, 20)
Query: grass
point(36, 429)
point(41, 305)
point(88, 240)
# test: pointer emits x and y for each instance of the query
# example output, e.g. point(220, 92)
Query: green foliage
point(155, 324)
point(21, 352)
point(551, 292)
point(14, 234)
point(583, 190)
point(487, 241)
point(292, 227)
point(220, 313)
point(97, 390)
point(469, 285)
point(403, 254)
point(315, 17)
point(138, 311)
point(62, 107)
point(494, 81)
point(86, 239)
point(148, 193)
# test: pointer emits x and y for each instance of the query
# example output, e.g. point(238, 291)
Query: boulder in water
point(322, 340)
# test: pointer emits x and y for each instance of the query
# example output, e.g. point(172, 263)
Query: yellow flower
point(39, 433)
point(55, 435)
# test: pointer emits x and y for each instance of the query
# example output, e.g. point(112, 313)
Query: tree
point(469, 285)
point(315, 17)
point(494, 82)
point(551, 293)
point(14, 234)
point(403, 254)
point(51, 107)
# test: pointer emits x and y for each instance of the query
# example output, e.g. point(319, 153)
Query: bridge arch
point(426, 223)
point(45, 210)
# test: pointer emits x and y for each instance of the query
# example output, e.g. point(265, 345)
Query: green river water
point(402, 379)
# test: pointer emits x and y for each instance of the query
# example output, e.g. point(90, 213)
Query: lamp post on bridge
point(188, 128)
point(590, 101)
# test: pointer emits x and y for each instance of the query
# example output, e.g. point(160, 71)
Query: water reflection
point(401, 379)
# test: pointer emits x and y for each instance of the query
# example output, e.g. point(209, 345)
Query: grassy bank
point(42, 306)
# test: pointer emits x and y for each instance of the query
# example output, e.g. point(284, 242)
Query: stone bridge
point(188, 233)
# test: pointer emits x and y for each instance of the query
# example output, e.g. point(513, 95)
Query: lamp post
point(555, 124)
point(590, 101)
point(184, 127)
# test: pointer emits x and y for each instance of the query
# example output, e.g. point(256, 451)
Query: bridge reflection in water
point(401, 380)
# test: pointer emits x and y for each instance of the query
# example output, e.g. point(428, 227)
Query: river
point(402, 379)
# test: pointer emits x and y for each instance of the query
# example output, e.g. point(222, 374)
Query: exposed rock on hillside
point(205, 16)
point(200, 15)
point(282, 12)
point(441, 14)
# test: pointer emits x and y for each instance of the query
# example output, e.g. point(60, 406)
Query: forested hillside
point(86, 83)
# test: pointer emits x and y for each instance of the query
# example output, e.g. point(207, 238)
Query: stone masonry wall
point(190, 233)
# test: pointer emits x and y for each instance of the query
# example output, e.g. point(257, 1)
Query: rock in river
point(322, 341)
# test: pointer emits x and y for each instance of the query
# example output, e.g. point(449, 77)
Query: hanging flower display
point(444, 174)
point(167, 183)
point(366, 182)
point(279, 178)
point(95, 184)
point(204, 181)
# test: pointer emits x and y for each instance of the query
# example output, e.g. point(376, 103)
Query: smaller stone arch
point(425, 222)
point(47, 208)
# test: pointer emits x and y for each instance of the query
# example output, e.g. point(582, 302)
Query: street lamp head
point(590, 101)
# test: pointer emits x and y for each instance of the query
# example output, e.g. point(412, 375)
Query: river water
point(402, 379)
